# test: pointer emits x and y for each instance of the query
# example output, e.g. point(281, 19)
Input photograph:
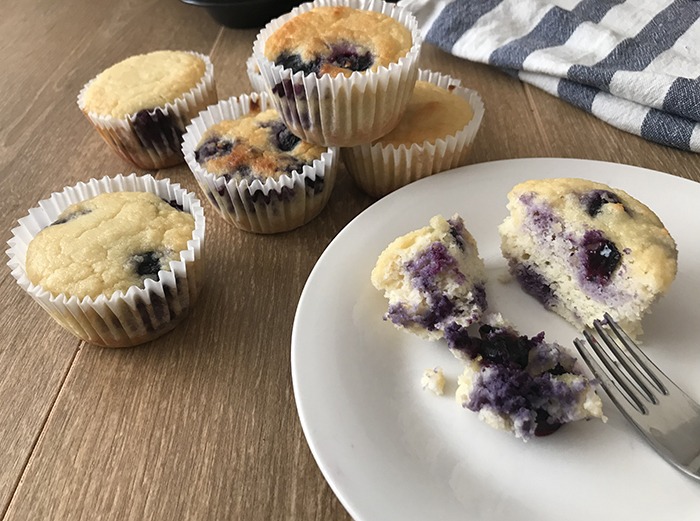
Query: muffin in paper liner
point(254, 75)
point(125, 318)
point(151, 138)
point(343, 110)
point(379, 169)
point(266, 207)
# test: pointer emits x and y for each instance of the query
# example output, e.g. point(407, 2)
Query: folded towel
point(632, 63)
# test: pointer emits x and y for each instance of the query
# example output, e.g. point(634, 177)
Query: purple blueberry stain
point(428, 265)
point(457, 232)
point(479, 296)
point(258, 197)
point(424, 271)
point(541, 217)
point(537, 403)
point(156, 129)
point(533, 283)
point(287, 89)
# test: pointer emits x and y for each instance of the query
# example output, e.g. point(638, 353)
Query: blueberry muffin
point(340, 74)
point(583, 249)
point(520, 384)
point(435, 133)
point(116, 269)
point(142, 105)
point(433, 278)
point(257, 174)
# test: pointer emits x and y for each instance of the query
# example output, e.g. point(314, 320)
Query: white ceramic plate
point(390, 450)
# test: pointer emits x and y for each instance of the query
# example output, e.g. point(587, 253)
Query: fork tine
point(653, 373)
point(610, 385)
point(624, 359)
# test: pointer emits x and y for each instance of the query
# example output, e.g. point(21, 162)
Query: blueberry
point(346, 56)
point(285, 139)
point(496, 346)
point(70, 216)
point(503, 348)
point(545, 424)
point(212, 147)
point(601, 257)
point(595, 199)
point(146, 264)
point(557, 370)
point(294, 62)
point(282, 138)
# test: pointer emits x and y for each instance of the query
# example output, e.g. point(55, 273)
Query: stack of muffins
point(335, 79)
point(117, 261)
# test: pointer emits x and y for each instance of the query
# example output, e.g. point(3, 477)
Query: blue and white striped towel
point(632, 63)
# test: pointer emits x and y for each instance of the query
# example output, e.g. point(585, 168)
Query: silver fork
point(667, 418)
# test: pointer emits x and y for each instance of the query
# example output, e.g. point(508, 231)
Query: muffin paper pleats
point(254, 76)
point(125, 318)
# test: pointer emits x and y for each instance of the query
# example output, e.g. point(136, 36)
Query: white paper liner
point(380, 169)
point(342, 111)
point(162, 151)
point(123, 319)
point(270, 207)
point(254, 76)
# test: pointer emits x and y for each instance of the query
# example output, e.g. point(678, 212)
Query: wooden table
point(200, 424)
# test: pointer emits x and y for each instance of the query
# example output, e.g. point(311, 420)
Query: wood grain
point(200, 424)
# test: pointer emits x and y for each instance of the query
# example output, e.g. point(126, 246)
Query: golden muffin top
point(338, 40)
point(145, 81)
point(256, 146)
point(108, 243)
point(432, 113)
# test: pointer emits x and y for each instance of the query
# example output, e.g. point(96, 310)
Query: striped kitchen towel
point(632, 63)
